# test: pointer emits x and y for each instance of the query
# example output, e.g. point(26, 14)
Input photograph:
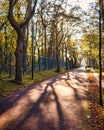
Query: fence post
point(10, 66)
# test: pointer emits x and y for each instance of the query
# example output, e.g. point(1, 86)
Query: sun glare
point(84, 4)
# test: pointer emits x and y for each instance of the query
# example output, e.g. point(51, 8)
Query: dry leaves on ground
point(96, 111)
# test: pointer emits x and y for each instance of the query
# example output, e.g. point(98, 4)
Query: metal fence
point(30, 63)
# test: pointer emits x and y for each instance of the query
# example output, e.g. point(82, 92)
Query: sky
point(84, 4)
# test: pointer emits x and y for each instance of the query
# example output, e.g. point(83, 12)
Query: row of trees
point(93, 46)
point(91, 38)
point(46, 28)
point(39, 27)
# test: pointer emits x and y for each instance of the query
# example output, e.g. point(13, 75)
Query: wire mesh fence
point(29, 62)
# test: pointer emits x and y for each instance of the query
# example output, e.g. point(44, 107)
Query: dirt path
point(59, 103)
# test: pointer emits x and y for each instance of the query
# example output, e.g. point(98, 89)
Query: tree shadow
point(76, 95)
point(9, 102)
point(80, 80)
point(58, 106)
point(36, 111)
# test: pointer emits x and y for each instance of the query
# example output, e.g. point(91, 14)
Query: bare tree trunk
point(66, 56)
point(50, 45)
point(45, 39)
point(57, 52)
point(0, 59)
point(18, 55)
point(100, 63)
point(58, 59)
point(25, 44)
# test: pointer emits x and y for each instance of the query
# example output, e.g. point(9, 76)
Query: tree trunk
point(100, 62)
point(45, 39)
point(62, 51)
point(25, 44)
point(66, 57)
point(50, 49)
point(72, 62)
point(18, 55)
point(75, 60)
point(0, 59)
point(58, 60)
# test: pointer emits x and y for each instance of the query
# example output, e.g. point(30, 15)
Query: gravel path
point(59, 103)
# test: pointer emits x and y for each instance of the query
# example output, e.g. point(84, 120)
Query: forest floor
point(64, 102)
point(96, 111)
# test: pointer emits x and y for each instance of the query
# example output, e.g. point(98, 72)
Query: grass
point(7, 87)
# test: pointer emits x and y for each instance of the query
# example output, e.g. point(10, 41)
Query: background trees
point(90, 49)
point(52, 29)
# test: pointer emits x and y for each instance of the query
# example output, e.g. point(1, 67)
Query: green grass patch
point(7, 87)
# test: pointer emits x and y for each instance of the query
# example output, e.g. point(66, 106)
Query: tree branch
point(2, 25)
point(14, 2)
point(10, 15)
point(30, 15)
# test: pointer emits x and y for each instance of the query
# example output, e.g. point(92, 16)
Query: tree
point(101, 2)
point(100, 53)
point(19, 28)
point(90, 49)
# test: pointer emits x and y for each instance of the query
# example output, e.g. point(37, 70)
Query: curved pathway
point(59, 103)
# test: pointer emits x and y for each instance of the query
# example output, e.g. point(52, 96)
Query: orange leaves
point(96, 112)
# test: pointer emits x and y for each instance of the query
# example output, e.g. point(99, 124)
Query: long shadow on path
point(46, 112)
point(42, 123)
